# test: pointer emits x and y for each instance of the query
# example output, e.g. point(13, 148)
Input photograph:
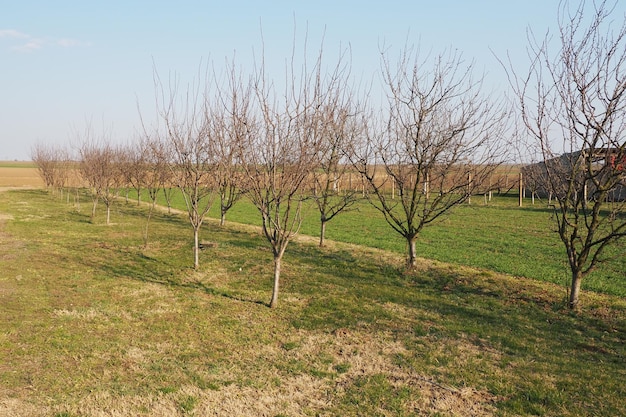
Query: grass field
point(93, 324)
point(498, 236)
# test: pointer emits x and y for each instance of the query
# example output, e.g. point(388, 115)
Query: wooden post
point(469, 187)
point(521, 189)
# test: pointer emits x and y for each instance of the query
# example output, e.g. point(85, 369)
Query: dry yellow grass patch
point(362, 354)
point(15, 407)
point(272, 393)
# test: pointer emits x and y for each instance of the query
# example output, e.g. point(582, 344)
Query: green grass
point(92, 323)
point(499, 236)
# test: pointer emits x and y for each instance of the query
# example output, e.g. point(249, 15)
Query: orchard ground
point(94, 324)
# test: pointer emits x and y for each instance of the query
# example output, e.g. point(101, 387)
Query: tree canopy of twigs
point(338, 126)
point(232, 123)
point(439, 138)
point(573, 104)
point(434, 142)
point(280, 150)
point(53, 164)
point(100, 169)
point(186, 117)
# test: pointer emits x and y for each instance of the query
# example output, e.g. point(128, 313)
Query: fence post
point(521, 189)
point(469, 187)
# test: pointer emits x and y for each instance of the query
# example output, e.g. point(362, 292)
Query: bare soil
point(19, 177)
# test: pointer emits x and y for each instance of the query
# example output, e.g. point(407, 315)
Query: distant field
point(19, 174)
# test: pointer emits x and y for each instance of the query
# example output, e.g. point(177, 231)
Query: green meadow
point(497, 235)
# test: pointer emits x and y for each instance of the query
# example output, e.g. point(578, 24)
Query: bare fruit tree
point(52, 164)
point(279, 153)
point(437, 142)
point(230, 119)
point(573, 104)
point(133, 167)
point(155, 175)
point(99, 168)
point(339, 119)
point(190, 137)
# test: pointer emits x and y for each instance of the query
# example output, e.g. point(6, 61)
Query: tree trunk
point(196, 255)
point(108, 214)
point(412, 260)
point(577, 278)
point(274, 301)
point(223, 217)
point(322, 233)
point(93, 209)
point(77, 199)
point(145, 235)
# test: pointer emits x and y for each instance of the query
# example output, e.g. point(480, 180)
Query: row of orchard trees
point(237, 134)
point(434, 140)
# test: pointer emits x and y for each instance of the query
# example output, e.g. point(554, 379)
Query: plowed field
point(19, 174)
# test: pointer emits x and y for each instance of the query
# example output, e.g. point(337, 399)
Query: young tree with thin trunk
point(573, 104)
point(190, 134)
point(99, 168)
point(155, 165)
point(52, 164)
point(278, 154)
point(340, 125)
point(230, 117)
point(133, 167)
point(436, 143)
point(336, 115)
point(44, 156)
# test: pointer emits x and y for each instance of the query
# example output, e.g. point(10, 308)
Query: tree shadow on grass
point(479, 302)
point(136, 265)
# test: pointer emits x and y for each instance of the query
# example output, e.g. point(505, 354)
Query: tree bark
point(574, 295)
point(274, 301)
point(322, 232)
point(146, 229)
point(196, 255)
point(93, 209)
point(412, 260)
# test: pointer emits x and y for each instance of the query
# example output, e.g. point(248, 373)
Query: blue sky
point(66, 63)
